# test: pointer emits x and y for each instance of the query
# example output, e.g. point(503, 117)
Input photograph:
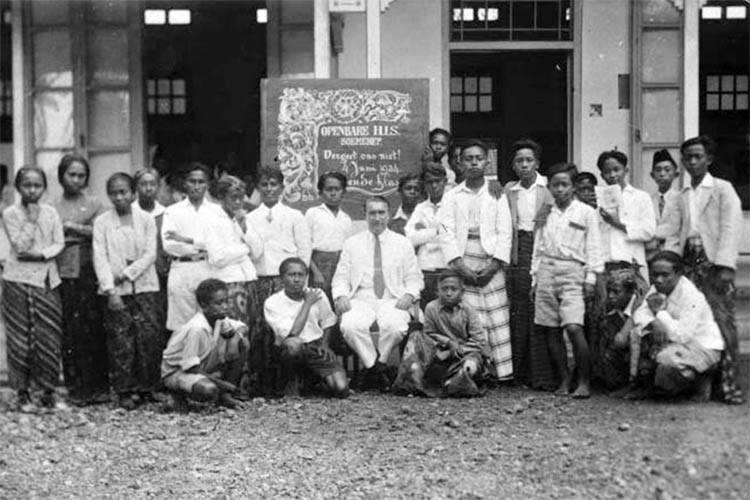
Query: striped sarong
point(491, 302)
point(135, 342)
point(33, 324)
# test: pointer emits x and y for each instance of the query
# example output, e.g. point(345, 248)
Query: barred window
point(527, 20)
point(471, 94)
point(167, 96)
point(726, 93)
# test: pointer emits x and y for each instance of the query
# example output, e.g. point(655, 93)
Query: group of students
point(464, 284)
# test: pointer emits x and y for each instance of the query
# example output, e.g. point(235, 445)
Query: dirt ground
point(509, 444)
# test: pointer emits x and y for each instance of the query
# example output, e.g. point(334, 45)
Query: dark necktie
point(661, 204)
point(377, 277)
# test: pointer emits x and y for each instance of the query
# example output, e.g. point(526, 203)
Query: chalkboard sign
point(373, 131)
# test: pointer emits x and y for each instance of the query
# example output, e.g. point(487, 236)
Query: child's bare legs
point(559, 356)
point(581, 353)
point(338, 384)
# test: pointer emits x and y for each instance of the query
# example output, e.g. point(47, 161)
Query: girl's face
point(270, 190)
point(232, 201)
point(75, 178)
point(332, 192)
point(147, 187)
point(411, 192)
point(525, 164)
point(120, 194)
point(31, 187)
point(614, 172)
point(561, 187)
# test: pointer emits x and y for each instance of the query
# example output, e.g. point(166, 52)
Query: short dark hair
point(614, 154)
point(704, 140)
point(433, 169)
point(563, 168)
point(376, 198)
point(270, 172)
point(671, 257)
point(65, 163)
point(526, 144)
point(450, 273)
point(196, 165)
point(585, 176)
point(227, 182)
point(284, 266)
point(25, 170)
point(411, 176)
point(145, 171)
point(332, 175)
point(121, 176)
point(439, 131)
point(474, 143)
point(207, 288)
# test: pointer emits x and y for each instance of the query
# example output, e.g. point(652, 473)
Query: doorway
point(501, 97)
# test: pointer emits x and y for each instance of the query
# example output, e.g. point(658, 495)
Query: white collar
point(540, 181)
point(707, 182)
point(400, 213)
point(463, 187)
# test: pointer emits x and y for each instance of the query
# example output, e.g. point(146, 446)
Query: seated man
point(452, 352)
point(377, 279)
point(205, 357)
point(301, 319)
point(681, 338)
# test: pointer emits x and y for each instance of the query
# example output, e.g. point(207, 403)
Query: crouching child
point(302, 319)
point(451, 355)
point(205, 358)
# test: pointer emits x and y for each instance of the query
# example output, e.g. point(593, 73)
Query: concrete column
point(322, 32)
point(373, 38)
point(691, 69)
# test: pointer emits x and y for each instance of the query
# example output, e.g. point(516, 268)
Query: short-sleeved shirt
point(281, 311)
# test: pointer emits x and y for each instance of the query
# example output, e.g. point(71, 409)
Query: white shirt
point(426, 240)
point(671, 197)
point(328, 230)
point(697, 197)
point(637, 213)
point(527, 202)
point(284, 233)
point(687, 317)
point(155, 212)
point(280, 313)
point(572, 234)
point(229, 250)
point(183, 218)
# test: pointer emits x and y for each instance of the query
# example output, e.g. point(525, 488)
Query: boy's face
point(450, 291)
point(332, 192)
point(270, 190)
point(473, 162)
point(120, 194)
point(439, 145)
point(617, 296)
point(663, 276)
point(411, 192)
point(435, 186)
point(663, 173)
point(376, 213)
point(614, 173)
point(586, 192)
point(232, 201)
point(695, 160)
point(525, 164)
point(217, 306)
point(294, 279)
point(147, 187)
point(196, 183)
point(561, 187)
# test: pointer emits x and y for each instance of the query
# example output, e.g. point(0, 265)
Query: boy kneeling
point(451, 355)
point(205, 357)
point(301, 319)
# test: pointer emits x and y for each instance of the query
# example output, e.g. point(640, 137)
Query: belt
point(474, 236)
point(191, 258)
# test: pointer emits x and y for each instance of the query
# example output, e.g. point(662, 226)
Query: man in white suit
point(377, 279)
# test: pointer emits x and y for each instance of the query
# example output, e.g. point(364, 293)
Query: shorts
point(559, 299)
point(319, 359)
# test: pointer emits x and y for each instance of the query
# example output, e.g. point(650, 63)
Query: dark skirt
point(243, 303)
point(610, 365)
point(326, 263)
point(135, 343)
point(84, 341)
point(532, 364)
point(265, 368)
point(33, 324)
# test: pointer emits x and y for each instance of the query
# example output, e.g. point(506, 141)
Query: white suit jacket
point(400, 268)
point(495, 226)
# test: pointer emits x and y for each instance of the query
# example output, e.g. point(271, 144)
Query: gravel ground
point(509, 444)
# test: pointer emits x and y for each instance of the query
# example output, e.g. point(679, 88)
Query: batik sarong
point(491, 302)
point(326, 263)
point(135, 343)
point(33, 325)
point(243, 303)
point(265, 368)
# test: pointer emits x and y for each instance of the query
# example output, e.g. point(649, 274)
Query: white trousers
point(184, 278)
point(355, 327)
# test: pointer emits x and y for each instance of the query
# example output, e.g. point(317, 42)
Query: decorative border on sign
point(303, 111)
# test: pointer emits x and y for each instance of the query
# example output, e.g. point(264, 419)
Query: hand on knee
point(292, 346)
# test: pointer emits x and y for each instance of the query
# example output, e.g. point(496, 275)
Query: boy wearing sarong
point(205, 358)
point(302, 320)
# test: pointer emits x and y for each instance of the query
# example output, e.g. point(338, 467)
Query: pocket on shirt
point(574, 236)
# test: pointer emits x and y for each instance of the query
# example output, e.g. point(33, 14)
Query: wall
point(411, 42)
point(605, 53)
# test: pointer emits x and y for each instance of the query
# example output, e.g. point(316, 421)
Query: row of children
point(548, 244)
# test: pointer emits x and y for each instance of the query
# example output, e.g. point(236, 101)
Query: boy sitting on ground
point(302, 320)
point(451, 354)
point(204, 358)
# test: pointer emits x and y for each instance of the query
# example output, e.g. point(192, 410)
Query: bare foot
point(582, 392)
point(563, 390)
point(227, 401)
